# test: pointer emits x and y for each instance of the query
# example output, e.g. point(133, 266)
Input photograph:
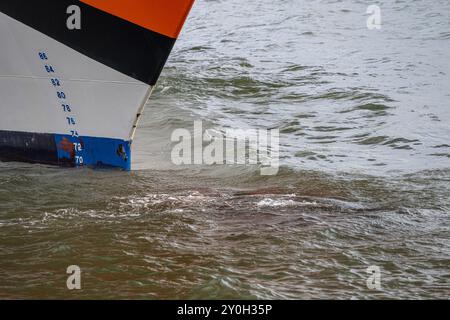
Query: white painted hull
point(68, 92)
point(103, 101)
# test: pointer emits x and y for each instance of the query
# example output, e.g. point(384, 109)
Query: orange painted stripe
point(162, 16)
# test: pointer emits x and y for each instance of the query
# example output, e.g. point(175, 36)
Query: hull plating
point(74, 97)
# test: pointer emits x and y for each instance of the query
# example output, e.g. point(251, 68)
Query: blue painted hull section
point(93, 152)
point(65, 150)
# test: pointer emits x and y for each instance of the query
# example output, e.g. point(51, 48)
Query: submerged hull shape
point(74, 96)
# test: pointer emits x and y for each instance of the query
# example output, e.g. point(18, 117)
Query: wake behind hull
point(74, 97)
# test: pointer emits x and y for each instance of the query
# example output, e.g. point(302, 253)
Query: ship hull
point(74, 97)
point(59, 150)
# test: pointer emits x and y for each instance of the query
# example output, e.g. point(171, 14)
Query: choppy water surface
point(365, 128)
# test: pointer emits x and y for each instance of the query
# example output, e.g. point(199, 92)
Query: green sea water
point(364, 119)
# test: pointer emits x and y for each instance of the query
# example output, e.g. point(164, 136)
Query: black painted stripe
point(117, 43)
point(28, 147)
